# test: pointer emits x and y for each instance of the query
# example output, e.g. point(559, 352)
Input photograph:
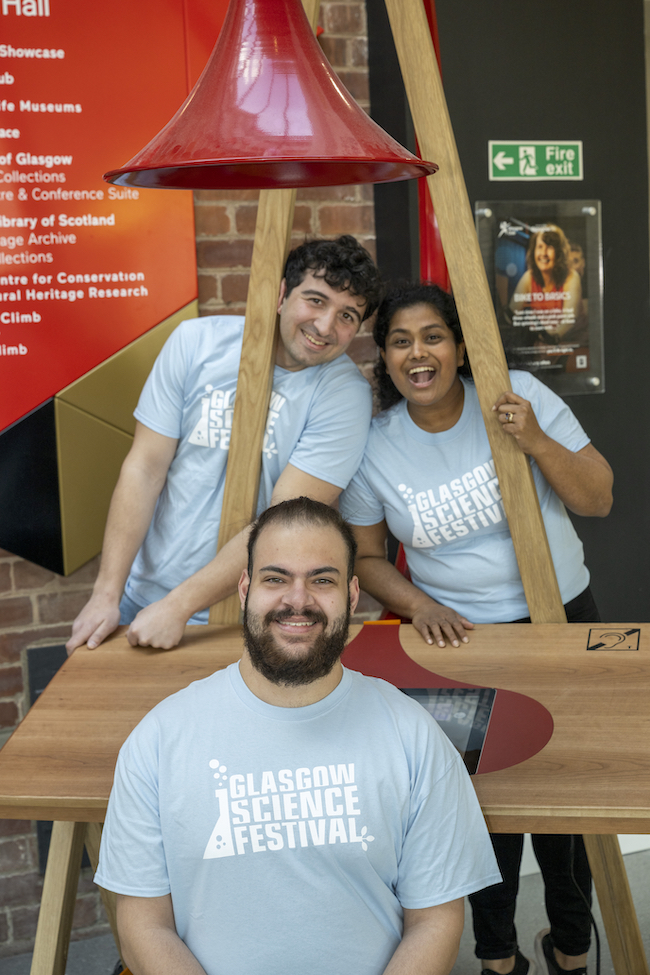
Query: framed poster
point(543, 260)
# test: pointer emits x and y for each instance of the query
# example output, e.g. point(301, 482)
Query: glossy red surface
point(519, 725)
point(268, 112)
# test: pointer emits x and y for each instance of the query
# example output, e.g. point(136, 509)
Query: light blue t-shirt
point(439, 495)
point(318, 421)
point(291, 838)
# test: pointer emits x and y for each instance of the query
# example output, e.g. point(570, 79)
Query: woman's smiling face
point(421, 355)
point(544, 254)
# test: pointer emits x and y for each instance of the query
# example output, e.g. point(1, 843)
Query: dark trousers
point(494, 907)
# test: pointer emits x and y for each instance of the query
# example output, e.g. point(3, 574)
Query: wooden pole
point(616, 905)
point(255, 380)
point(471, 291)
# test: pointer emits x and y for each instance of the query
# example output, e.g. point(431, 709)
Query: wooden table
point(593, 776)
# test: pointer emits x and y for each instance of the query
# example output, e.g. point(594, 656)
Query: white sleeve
point(447, 852)
point(132, 858)
point(358, 503)
point(162, 399)
point(332, 442)
point(553, 415)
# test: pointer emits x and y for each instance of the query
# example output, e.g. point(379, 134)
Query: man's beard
point(279, 667)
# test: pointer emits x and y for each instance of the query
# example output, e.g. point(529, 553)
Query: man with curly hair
point(158, 571)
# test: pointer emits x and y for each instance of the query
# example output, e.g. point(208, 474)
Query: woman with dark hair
point(428, 475)
point(548, 296)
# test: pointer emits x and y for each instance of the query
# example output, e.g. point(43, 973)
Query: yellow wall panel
point(110, 391)
point(90, 454)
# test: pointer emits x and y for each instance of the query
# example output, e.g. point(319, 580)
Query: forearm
point(430, 943)
point(159, 952)
point(126, 526)
point(148, 940)
point(162, 624)
point(129, 516)
point(220, 577)
point(433, 621)
point(581, 480)
point(418, 955)
point(141, 480)
point(214, 582)
point(380, 579)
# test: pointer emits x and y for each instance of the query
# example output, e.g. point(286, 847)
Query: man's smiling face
point(298, 602)
point(317, 323)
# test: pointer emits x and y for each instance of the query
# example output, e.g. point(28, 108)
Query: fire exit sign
point(535, 161)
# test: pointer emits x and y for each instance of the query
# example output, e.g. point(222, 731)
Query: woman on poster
point(428, 475)
point(548, 296)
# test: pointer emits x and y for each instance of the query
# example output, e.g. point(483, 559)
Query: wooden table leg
point(616, 905)
point(93, 839)
point(58, 900)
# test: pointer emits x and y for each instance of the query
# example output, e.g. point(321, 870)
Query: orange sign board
point(86, 267)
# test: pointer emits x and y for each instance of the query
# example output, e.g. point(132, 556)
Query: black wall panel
point(30, 521)
point(396, 206)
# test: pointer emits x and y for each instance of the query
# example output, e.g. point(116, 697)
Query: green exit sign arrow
point(535, 161)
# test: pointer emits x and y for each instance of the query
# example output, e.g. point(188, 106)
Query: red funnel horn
point(268, 112)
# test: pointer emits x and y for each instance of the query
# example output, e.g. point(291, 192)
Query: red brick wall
point(37, 606)
point(36, 609)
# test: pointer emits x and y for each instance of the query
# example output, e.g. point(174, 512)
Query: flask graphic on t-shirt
point(220, 843)
point(199, 435)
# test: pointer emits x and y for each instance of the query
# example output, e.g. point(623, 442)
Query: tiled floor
point(98, 956)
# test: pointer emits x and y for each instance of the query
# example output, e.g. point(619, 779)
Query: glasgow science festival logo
point(270, 811)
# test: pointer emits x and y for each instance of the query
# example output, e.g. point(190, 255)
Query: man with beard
point(287, 815)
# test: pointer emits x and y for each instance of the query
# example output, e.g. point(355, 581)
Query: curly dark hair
point(553, 237)
point(407, 295)
point(347, 266)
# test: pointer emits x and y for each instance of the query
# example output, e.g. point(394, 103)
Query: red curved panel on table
point(519, 725)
